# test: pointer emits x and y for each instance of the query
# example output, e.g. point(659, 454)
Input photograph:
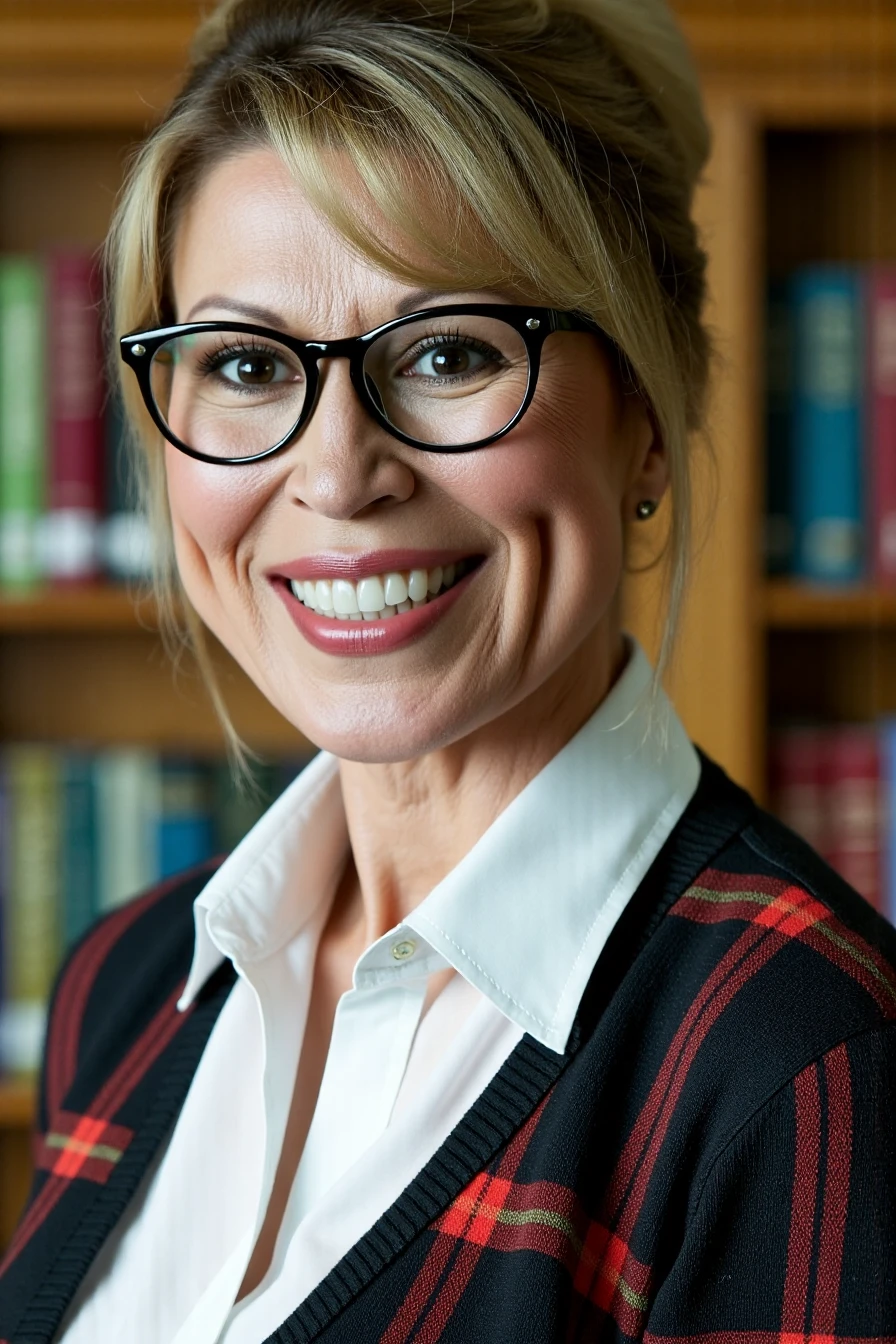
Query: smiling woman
point(513, 1019)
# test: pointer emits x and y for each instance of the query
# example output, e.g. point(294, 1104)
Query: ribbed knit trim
point(718, 810)
point(42, 1317)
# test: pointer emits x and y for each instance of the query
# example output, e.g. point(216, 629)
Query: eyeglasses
point(447, 380)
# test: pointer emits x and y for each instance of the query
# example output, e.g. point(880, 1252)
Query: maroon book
point(76, 440)
point(797, 781)
point(854, 808)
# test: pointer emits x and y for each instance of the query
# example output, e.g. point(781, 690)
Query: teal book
point(828, 480)
point(23, 420)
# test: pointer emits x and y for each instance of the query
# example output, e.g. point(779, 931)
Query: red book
point(882, 422)
point(797, 780)
point(76, 439)
point(854, 808)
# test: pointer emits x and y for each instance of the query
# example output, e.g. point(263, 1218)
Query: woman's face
point(533, 524)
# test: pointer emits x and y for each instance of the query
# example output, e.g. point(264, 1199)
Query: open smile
point(377, 612)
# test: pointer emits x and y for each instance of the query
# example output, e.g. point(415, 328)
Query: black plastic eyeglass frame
point(534, 324)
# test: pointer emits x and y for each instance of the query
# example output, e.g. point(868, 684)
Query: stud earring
point(647, 508)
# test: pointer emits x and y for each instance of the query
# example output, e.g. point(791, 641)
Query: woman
point(513, 1019)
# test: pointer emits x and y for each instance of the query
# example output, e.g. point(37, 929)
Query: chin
point(379, 733)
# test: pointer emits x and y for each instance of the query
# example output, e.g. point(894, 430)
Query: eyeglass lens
point(442, 381)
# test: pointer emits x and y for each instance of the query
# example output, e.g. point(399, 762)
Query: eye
point(447, 359)
point(254, 369)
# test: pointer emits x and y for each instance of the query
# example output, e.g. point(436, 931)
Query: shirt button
point(402, 951)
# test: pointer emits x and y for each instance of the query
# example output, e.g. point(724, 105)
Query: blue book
point(888, 818)
point(828, 438)
point(779, 526)
point(78, 846)
point(186, 830)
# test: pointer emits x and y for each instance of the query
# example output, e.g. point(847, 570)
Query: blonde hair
point(570, 131)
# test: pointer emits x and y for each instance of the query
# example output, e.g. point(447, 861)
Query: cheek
point(213, 508)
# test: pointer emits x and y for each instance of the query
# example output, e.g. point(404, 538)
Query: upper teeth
point(377, 596)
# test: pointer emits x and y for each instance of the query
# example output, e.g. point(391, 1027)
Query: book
point(127, 818)
point(125, 539)
point(828, 430)
point(185, 833)
point(882, 423)
point(798, 780)
point(854, 816)
point(76, 433)
point(22, 418)
point(31, 911)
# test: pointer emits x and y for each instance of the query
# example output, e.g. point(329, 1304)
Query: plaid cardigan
point(712, 1159)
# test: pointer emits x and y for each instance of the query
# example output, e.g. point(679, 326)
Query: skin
point(435, 739)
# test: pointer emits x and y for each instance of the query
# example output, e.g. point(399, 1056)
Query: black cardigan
point(712, 1158)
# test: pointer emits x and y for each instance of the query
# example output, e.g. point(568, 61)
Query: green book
point(32, 933)
point(23, 419)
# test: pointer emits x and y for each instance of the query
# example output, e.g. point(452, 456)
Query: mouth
point(379, 597)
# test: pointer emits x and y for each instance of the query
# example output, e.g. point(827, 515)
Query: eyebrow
point(417, 298)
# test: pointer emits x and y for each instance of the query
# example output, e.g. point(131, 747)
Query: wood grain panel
point(716, 682)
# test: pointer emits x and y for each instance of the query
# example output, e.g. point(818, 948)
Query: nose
point(343, 464)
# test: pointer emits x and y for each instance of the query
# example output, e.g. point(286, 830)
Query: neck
point(411, 822)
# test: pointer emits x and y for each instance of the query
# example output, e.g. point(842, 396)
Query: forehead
point(251, 232)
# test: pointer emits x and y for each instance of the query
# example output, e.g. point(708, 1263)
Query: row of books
point(80, 832)
point(66, 507)
point(831, 424)
point(835, 785)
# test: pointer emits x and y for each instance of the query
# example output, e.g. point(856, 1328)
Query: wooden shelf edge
point(787, 606)
point(91, 609)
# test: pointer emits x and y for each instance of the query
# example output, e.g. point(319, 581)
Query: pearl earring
point(647, 508)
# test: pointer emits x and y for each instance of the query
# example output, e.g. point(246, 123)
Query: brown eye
point(450, 359)
point(256, 369)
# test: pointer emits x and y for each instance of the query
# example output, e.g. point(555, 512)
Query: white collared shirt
point(521, 919)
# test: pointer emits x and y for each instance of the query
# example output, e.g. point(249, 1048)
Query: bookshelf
point(795, 88)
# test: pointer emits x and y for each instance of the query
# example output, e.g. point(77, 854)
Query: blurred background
point(111, 769)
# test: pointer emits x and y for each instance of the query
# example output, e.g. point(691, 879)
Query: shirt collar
point(525, 914)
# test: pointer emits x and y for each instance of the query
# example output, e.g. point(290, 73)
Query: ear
point(648, 459)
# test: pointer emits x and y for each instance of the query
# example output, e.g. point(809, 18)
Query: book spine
point(828, 475)
point(882, 423)
point(31, 935)
point(125, 536)
point(69, 530)
point(797, 780)
point(854, 809)
point(779, 529)
point(22, 418)
point(78, 878)
point(186, 831)
point(127, 810)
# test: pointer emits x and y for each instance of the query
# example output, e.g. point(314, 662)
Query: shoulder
point(777, 965)
point(116, 980)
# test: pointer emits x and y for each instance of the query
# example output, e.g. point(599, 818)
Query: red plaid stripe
point(142, 1055)
point(82, 1145)
point(765, 1337)
point(793, 913)
point(441, 1280)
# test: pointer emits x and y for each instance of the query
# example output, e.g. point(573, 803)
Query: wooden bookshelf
point(804, 83)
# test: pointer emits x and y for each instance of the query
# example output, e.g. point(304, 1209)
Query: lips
point(338, 614)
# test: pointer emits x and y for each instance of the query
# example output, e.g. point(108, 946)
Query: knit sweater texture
point(712, 1158)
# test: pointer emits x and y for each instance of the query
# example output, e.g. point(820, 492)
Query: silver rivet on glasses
point(138, 349)
point(533, 323)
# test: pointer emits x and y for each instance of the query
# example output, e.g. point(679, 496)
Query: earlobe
point(650, 475)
